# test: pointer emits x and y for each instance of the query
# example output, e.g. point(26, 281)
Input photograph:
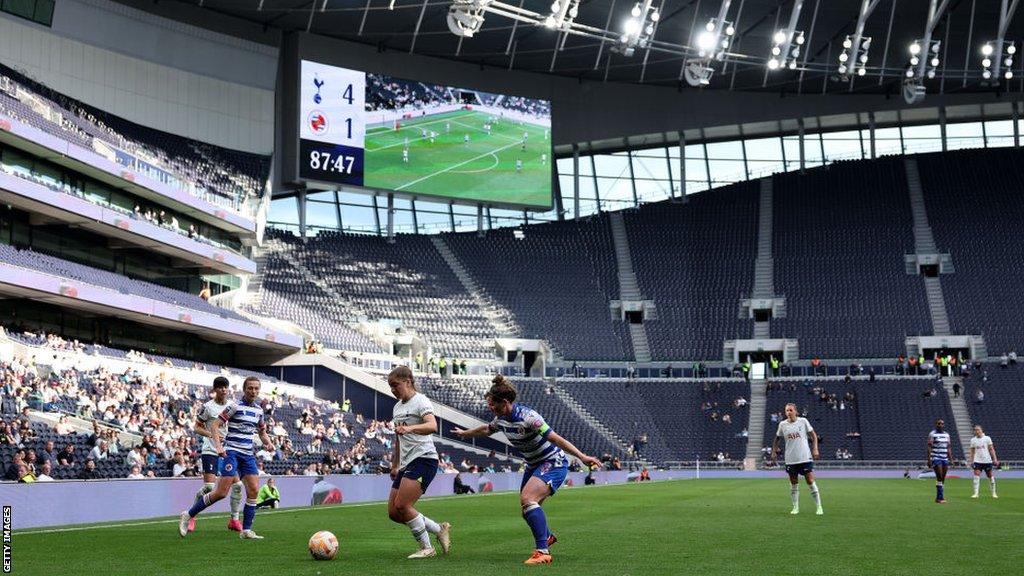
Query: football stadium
point(655, 287)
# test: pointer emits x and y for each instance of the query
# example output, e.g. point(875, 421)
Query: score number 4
point(329, 163)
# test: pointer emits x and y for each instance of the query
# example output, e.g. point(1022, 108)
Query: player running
point(983, 459)
point(405, 155)
point(414, 463)
point(209, 412)
point(799, 456)
point(940, 455)
point(244, 420)
point(544, 451)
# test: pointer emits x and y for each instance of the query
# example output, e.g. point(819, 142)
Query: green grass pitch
point(484, 169)
point(730, 527)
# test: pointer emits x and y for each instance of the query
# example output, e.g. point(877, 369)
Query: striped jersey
point(209, 412)
point(940, 444)
point(528, 433)
point(244, 420)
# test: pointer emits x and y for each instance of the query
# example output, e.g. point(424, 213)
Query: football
point(323, 545)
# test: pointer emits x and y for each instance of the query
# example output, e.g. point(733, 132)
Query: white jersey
point(981, 453)
point(207, 414)
point(796, 434)
point(413, 446)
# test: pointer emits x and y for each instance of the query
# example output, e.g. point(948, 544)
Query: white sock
point(992, 483)
point(815, 494)
point(794, 494)
point(206, 489)
point(431, 526)
point(236, 500)
point(977, 482)
point(419, 531)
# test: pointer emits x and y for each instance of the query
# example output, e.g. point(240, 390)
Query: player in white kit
point(983, 459)
point(405, 155)
point(414, 463)
point(207, 414)
point(799, 456)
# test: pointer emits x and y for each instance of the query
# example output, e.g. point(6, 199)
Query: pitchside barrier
point(68, 502)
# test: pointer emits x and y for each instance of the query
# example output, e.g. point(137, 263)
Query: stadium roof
point(420, 26)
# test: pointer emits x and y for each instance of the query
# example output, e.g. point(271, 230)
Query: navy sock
point(248, 514)
point(199, 505)
point(538, 521)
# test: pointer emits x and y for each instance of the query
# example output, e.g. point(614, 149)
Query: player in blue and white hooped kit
point(801, 450)
point(940, 457)
point(983, 459)
point(414, 463)
point(545, 454)
point(244, 420)
point(209, 457)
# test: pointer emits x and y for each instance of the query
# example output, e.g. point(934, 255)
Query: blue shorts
point(801, 469)
point(940, 462)
point(211, 464)
point(551, 472)
point(421, 470)
point(237, 464)
point(983, 467)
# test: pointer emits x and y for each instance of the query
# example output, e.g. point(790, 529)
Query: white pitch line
point(463, 163)
point(488, 169)
point(297, 509)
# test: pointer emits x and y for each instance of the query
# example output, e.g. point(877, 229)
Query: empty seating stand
point(840, 235)
point(557, 281)
point(696, 260)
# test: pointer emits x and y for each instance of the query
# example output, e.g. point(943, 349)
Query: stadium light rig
point(924, 62)
point(639, 28)
point(992, 60)
point(712, 44)
point(853, 60)
point(785, 49)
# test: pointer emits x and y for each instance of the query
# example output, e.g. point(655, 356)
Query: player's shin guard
point(236, 499)
point(977, 484)
point(201, 504)
point(206, 489)
point(538, 522)
point(248, 514)
point(939, 492)
point(794, 494)
point(991, 483)
point(419, 531)
point(815, 494)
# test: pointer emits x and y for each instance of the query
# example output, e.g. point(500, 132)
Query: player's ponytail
point(502, 389)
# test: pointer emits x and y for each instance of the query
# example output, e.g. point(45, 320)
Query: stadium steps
point(589, 418)
point(764, 266)
point(937, 306)
point(924, 243)
point(961, 417)
point(501, 320)
point(629, 289)
point(755, 427)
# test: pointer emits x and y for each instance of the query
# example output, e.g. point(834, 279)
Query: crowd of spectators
point(387, 93)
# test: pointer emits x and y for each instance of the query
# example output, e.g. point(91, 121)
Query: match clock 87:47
point(327, 162)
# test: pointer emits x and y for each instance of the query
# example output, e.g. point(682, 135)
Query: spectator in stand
point(268, 495)
point(89, 471)
point(48, 453)
point(1012, 356)
point(45, 473)
point(180, 466)
point(136, 473)
point(205, 292)
point(67, 456)
point(99, 451)
point(980, 396)
point(956, 389)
